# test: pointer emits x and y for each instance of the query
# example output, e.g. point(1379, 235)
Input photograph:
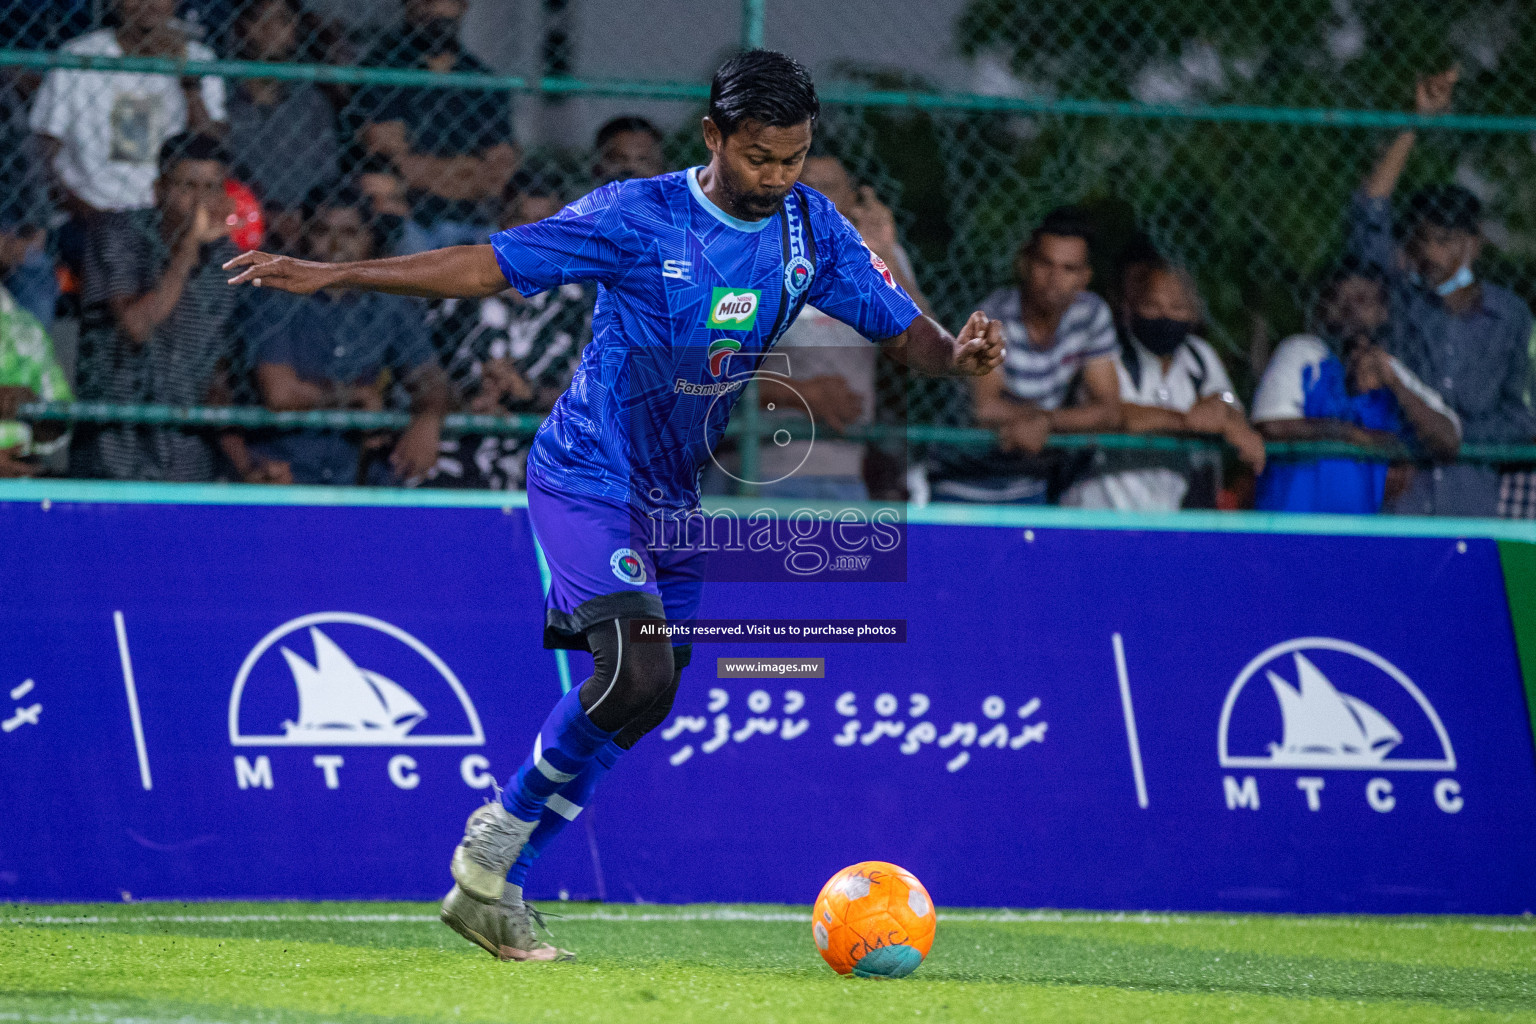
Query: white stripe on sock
point(563, 807)
point(546, 769)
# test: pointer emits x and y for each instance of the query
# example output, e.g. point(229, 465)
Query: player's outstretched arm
point(928, 348)
point(461, 271)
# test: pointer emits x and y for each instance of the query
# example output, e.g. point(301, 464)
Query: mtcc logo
point(1321, 704)
point(339, 679)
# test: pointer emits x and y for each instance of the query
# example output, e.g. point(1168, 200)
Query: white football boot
point(504, 928)
point(492, 840)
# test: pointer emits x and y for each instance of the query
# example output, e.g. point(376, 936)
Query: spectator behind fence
point(1171, 382)
point(832, 365)
point(155, 318)
point(453, 146)
point(102, 131)
point(1340, 385)
point(282, 135)
point(26, 269)
point(331, 350)
point(28, 373)
point(508, 353)
point(1463, 337)
point(627, 147)
point(383, 187)
point(1061, 343)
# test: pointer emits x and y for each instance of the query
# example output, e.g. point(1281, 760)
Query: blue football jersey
point(688, 300)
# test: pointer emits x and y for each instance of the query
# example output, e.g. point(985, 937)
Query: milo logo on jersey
point(733, 309)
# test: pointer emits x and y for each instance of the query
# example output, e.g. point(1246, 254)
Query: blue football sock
point(564, 747)
point(561, 809)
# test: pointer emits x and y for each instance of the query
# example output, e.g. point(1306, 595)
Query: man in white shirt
point(102, 130)
point(1171, 382)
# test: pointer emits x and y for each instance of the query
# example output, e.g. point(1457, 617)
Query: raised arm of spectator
point(1370, 221)
point(137, 316)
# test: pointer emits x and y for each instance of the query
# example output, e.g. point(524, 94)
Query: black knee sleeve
point(627, 677)
point(652, 716)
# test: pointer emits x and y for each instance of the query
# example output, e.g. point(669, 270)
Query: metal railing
point(330, 74)
point(221, 417)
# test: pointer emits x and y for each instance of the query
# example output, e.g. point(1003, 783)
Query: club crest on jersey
point(797, 276)
point(719, 349)
point(879, 264)
point(733, 309)
point(627, 566)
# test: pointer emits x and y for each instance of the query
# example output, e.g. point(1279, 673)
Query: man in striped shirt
point(1059, 374)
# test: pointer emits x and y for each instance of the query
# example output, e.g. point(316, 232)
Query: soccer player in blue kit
point(693, 268)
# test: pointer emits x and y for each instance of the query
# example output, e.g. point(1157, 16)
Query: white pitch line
point(133, 701)
point(1130, 722)
point(756, 916)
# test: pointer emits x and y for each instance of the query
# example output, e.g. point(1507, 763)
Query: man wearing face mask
point(1463, 337)
point(1340, 385)
point(1171, 382)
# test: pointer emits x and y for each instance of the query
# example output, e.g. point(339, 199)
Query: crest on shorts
point(627, 566)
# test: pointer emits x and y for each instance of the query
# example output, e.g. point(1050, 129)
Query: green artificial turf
point(292, 963)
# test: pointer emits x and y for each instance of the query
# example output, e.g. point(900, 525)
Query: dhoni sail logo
point(359, 681)
point(1330, 704)
point(719, 351)
point(731, 310)
point(335, 694)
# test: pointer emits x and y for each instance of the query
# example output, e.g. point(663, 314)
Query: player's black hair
point(189, 146)
point(1350, 266)
point(620, 125)
point(1443, 206)
point(1062, 222)
point(763, 86)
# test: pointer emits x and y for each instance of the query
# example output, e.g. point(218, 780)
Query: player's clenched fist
point(979, 346)
point(265, 270)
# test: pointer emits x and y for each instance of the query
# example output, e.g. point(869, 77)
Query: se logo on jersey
point(732, 310)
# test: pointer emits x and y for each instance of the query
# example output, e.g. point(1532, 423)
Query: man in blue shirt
point(330, 351)
point(1340, 385)
point(699, 273)
point(1465, 338)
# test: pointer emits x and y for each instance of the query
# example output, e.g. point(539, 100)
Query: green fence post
point(752, 24)
point(751, 421)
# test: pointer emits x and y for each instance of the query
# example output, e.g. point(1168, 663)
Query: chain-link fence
point(1228, 136)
